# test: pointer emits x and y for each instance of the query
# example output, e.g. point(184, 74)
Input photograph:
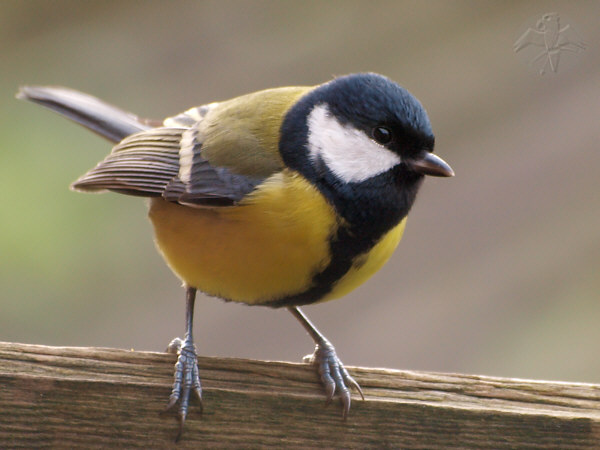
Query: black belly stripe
point(323, 282)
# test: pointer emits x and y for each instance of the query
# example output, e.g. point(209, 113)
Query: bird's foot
point(333, 374)
point(187, 379)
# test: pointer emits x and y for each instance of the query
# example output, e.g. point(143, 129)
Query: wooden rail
point(98, 397)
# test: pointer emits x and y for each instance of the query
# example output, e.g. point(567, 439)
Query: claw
point(180, 431)
point(198, 393)
point(352, 382)
point(172, 400)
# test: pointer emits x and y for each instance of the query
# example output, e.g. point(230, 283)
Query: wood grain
point(98, 397)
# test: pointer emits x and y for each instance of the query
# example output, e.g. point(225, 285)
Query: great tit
point(282, 198)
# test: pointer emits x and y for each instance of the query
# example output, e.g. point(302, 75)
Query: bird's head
point(358, 127)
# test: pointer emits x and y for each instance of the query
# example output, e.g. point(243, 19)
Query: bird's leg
point(186, 368)
point(333, 374)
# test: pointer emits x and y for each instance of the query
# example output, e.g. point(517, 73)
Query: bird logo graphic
point(552, 39)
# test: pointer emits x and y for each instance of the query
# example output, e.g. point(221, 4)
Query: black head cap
point(367, 99)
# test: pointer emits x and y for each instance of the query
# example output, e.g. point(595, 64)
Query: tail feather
point(106, 120)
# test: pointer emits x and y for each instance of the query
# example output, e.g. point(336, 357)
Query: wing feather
point(153, 163)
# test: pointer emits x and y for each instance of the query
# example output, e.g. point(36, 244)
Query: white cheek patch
point(349, 153)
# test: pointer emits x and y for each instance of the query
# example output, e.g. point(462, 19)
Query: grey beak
point(430, 164)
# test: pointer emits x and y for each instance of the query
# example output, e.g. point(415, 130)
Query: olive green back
point(242, 134)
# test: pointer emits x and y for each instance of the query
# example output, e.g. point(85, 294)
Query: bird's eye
point(382, 135)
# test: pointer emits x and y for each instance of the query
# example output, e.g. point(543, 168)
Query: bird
point(553, 38)
point(283, 197)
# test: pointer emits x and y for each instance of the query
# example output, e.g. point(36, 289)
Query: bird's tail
point(106, 120)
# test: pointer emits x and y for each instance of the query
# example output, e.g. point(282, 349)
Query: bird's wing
point(530, 37)
point(569, 39)
point(212, 155)
point(166, 162)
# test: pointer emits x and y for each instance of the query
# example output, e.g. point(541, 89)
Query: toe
point(334, 376)
point(181, 424)
point(326, 379)
point(174, 346)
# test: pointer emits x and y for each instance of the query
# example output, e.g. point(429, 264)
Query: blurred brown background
point(498, 271)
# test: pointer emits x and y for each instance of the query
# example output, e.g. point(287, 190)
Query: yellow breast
point(266, 248)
